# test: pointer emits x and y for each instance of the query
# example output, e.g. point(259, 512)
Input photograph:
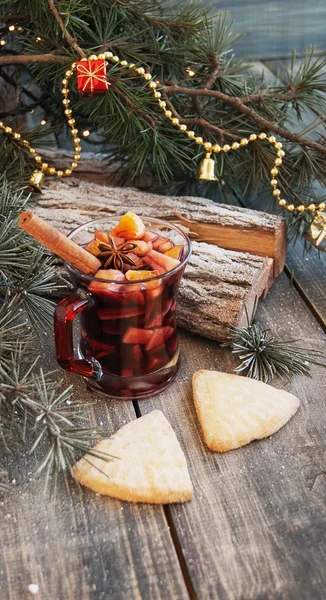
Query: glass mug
point(128, 344)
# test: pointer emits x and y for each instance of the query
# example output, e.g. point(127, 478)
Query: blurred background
point(273, 28)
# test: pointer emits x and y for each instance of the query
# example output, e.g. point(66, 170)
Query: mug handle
point(64, 315)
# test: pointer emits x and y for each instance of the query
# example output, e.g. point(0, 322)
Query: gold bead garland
point(208, 147)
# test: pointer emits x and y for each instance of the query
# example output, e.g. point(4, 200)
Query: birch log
point(218, 282)
point(227, 226)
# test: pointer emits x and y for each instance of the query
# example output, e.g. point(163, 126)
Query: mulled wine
point(129, 345)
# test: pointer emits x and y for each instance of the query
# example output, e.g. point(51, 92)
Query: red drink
point(129, 345)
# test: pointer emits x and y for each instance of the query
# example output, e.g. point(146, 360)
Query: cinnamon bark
point(58, 243)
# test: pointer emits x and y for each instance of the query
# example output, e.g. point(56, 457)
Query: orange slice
point(130, 227)
point(175, 252)
point(139, 275)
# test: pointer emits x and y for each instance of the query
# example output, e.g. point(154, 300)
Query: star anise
point(115, 256)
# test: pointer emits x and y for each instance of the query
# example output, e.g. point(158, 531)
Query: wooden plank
point(272, 28)
point(256, 526)
point(82, 545)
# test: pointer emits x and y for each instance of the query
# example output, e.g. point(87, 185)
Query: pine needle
point(262, 357)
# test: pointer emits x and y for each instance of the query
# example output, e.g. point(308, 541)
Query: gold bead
point(278, 162)
point(45, 166)
point(252, 137)
point(73, 65)
point(321, 206)
point(71, 121)
point(140, 70)
point(8, 130)
point(68, 172)
point(282, 202)
point(64, 90)
point(208, 146)
point(17, 136)
point(168, 114)
point(262, 136)
point(235, 146)
point(74, 165)
point(101, 56)
point(92, 57)
point(274, 171)
point(131, 65)
point(243, 142)
point(191, 134)
point(38, 158)
point(123, 63)
point(162, 104)
point(175, 121)
point(273, 182)
point(147, 76)
point(59, 173)
point(32, 150)
point(216, 148)
point(226, 148)
point(278, 145)
point(77, 148)
point(199, 140)
point(76, 157)
point(300, 208)
point(280, 153)
point(66, 101)
point(290, 207)
point(68, 74)
point(107, 54)
point(52, 171)
point(68, 112)
point(311, 207)
point(25, 143)
point(84, 59)
point(115, 59)
point(183, 127)
point(64, 82)
point(276, 193)
point(74, 131)
point(157, 94)
point(272, 139)
point(151, 84)
point(1, 124)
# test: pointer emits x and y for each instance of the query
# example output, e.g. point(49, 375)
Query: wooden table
point(255, 529)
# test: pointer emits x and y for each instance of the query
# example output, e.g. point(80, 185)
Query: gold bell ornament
point(207, 169)
point(36, 181)
point(316, 234)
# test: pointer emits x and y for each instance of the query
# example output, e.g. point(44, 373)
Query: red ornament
point(91, 76)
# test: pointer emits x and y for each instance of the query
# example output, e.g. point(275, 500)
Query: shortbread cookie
point(149, 465)
point(234, 410)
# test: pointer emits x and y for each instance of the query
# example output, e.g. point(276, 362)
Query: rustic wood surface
point(254, 530)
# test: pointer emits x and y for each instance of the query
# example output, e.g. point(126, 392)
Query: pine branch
point(237, 103)
point(26, 59)
point(69, 39)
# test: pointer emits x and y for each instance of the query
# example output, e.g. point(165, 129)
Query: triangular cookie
point(150, 465)
point(234, 410)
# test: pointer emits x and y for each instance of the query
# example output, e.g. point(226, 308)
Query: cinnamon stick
point(58, 243)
